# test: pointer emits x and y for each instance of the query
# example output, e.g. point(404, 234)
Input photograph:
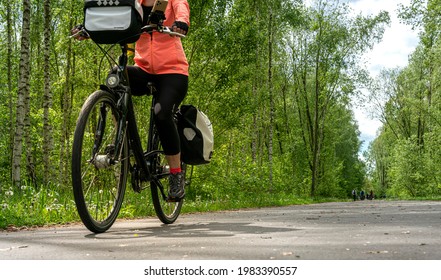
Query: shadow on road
point(198, 230)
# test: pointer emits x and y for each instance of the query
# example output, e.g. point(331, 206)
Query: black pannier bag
point(196, 134)
point(113, 21)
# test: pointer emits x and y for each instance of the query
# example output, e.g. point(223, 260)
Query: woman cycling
point(160, 58)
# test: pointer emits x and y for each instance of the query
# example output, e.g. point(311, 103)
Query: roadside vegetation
point(54, 205)
point(278, 80)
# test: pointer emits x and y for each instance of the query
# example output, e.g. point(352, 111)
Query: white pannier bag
point(196, 135)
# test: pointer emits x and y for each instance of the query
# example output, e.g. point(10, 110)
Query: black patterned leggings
point(171, 90)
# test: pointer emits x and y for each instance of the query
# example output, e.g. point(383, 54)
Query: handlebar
point(161, 29)
point(148, 29)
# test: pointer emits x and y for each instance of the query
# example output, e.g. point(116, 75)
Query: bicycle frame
point(118, 84)
point(127, 126)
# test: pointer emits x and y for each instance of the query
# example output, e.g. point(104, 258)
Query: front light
point(112, 81)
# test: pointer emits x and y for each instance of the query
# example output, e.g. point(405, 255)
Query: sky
point(399, 41)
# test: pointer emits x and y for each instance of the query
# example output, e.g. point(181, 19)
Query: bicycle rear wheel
point(166, 211)
point(98, 178)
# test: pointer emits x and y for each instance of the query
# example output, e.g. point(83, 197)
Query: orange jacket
point(158, 53)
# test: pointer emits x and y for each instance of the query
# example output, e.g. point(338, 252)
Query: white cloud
point(368, 127)
point(399, 41)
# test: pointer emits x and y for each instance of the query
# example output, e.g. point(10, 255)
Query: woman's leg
point(172, 89)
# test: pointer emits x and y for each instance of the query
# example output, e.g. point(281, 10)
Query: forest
point(277, 78)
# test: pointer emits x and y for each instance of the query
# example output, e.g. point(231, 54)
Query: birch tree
point(47, 99)
point(22, 94)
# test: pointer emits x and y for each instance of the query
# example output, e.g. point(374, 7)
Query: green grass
point(29, 206)
point(53, 204)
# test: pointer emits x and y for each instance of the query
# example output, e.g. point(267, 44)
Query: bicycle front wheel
point(98, 176)
point(166, 211)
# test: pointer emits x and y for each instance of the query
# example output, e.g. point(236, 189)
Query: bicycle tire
point(166, 211)
point(98, 189)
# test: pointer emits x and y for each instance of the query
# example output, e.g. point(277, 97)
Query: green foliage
point(314, 56)
point(407, 169)
point(405, 156)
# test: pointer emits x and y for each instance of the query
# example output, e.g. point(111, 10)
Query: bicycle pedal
point(135, 181)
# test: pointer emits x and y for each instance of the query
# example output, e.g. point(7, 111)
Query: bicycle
point(107, 147)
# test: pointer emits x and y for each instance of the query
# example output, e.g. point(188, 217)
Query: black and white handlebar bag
point(113, 21)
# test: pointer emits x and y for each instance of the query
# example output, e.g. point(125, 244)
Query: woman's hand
point(180, 27)
point(79, 33)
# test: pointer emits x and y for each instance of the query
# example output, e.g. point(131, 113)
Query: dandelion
point(9, 193)
point(5, 206)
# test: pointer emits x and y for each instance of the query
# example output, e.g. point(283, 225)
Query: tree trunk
point(47, 98)
point(66, 107)
point(30, 163)
point(255, 91)
point(23, 92)
point(9, 74)
point(271, 97)
point(316, 130)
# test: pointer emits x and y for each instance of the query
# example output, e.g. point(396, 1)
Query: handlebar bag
point(196, 135)
point(113, 21)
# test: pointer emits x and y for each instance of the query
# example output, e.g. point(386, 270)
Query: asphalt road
point(362, 230)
